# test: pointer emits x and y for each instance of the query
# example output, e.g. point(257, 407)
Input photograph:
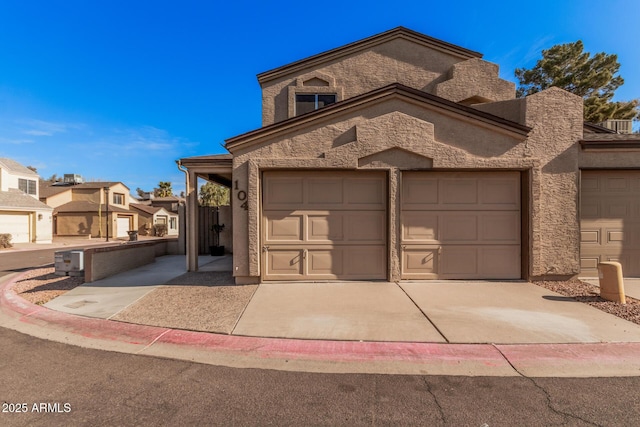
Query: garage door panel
point(285, 262)
point(366, 227)
point(281, 193)
point(326, 262)
point(420, 226)
point(366, 261)
point(458, 191)
point(284, 228)
point(501, 192)
point(326, 228)
point(325, 193)
point(420, 263)
point(610, 220)
point(457, 227)
point(459, 261)
point(419, 192)
point(503, 227)
point(500, 261)
point(365, 193)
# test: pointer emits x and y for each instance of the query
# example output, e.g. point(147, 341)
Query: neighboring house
point(150, 217)
point(21, 213)
point(170, 203)
point(80, 209)
point(403, 157)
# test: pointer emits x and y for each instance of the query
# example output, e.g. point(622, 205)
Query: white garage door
point(324, 225)
point(610, 221)
point(16, 224)
point(122, 226)
point(460, 225)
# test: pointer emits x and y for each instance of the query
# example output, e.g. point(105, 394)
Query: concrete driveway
point(433, 311)
point(160, 294)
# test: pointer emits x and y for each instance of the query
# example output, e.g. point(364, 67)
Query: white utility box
point(69, 263)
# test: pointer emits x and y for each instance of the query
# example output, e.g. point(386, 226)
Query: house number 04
point(242, 196)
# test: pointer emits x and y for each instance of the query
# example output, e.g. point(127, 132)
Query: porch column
point(192, 221)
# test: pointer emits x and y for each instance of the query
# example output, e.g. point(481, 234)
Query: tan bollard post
point(611, 282)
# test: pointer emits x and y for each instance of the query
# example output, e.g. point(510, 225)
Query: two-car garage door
point(334, 225)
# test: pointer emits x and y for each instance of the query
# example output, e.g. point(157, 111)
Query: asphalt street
point(67, 385)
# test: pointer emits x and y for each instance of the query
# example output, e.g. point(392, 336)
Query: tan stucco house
point(80, 208)
point(155, 221)
point(403, 157)
point(22, 215)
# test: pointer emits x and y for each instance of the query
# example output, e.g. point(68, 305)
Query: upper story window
point(27, 185)
point(118, 199)
point(307, 102)
point(312, 91)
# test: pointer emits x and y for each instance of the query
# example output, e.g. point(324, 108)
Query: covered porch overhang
point(216, 168)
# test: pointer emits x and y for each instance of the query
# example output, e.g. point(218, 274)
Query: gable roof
point(13, 166)
point(368, 43)
point(389, 91)
point(18, 199)
point(145, 208)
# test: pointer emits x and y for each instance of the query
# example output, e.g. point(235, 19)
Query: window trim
point(28, 186)
point(301, 89)
point(315, 95)
point(118, 195)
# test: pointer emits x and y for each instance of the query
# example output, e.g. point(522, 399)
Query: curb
point(531, 360)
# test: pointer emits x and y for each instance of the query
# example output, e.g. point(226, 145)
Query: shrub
point(5, 241)
point(161, 230)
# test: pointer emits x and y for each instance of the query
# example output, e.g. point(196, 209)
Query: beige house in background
point(80, 209)
point(22, 215)
point(403, 157)
point(150, 217)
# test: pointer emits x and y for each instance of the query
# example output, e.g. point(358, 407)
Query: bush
point(161, 230)
point(5, 241)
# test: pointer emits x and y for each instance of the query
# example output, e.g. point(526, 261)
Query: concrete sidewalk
point(445, 327)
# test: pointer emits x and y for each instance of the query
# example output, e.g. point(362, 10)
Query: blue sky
point(118, 90)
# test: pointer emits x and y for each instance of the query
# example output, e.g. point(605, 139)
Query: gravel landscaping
point(41, 285)
point(590, 294)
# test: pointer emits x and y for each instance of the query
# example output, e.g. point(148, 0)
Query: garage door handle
point(304, 254)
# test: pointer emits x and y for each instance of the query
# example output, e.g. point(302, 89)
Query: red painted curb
point(314, 350)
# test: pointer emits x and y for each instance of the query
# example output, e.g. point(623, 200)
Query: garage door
point(16, 224)
point(460, 225)
point(610, 220)
point(123, 225)
point(324, 225)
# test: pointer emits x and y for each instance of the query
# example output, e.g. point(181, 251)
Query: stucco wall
point(397, 135)
point(556, 118)
point(398, 61)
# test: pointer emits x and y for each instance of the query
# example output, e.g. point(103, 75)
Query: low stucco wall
point(105, 261)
